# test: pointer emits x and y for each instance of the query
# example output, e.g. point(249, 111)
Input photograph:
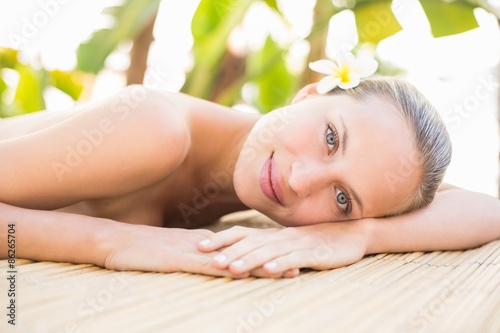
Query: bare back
point(125, 158)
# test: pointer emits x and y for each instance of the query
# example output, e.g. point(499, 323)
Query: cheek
point(277, 121)
point(299, 138)
point(246, 167)
point(246, 175)
point(280, 126)
point(317, 209)
point(243, 186)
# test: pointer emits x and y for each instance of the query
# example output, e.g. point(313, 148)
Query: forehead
point(369, 109)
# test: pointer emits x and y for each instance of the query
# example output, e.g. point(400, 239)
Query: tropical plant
point(220, 75)
point(31, 82)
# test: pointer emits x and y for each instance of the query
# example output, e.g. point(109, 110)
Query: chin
point(245, 193)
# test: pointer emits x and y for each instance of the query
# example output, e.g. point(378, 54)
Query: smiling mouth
point(269, 182)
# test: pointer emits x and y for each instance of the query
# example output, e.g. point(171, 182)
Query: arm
point(63, 237)
point(55, 236)
point(456, 219)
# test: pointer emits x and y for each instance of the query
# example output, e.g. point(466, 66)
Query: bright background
point(458, 73)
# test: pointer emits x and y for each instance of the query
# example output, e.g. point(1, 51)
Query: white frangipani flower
point(346, 72)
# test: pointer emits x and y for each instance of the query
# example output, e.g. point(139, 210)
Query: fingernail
point(271, 265)
point(205, 242)
point(220, 258)
point(238, 263)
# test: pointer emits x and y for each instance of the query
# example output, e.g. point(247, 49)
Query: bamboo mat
point(456, 291)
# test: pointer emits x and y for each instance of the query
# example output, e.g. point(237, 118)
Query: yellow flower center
point(343, 73)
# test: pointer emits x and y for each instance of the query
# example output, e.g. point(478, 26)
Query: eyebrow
point(345, 137)
point(358, 201)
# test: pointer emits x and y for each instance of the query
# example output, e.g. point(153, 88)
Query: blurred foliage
point(217, 74)
point(128, 20)
point(375, 21)
point(27, 94)
point(211, 25)
point(274, 85)
point(448, 20)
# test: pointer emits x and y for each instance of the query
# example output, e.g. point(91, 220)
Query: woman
point(95, 185)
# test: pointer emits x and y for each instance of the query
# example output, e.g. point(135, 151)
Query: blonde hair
point(431, 138)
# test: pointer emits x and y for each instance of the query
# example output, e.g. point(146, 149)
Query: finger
point(256, 257)
point(291, 273)
point(233, 253)
point(308, 259)
point(261, 273)
point(225, 238)
point(201, 264)
point(292, 262)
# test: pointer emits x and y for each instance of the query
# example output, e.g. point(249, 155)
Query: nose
point(307, 176)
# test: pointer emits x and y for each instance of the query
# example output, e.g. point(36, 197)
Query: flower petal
point(327, 83)
point(345, 58)
point(353, 81)
point(366, 66)
point(323, 66)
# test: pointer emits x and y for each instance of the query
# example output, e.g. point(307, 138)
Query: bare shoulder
point(132, 140)
point(446, 187)
point(156, 116)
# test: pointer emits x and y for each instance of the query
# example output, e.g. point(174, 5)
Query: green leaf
point(449, 18)
point(8, 57)
point(272, 4)
point(209, 15)
point(375, 20)
point(129, 19)
point(29, 93)
point(276, 83)
point(70, 83)
point(211, 26)
point(3, 87)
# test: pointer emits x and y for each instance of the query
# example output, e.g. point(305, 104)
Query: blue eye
point(343, 200)
point(331, 138)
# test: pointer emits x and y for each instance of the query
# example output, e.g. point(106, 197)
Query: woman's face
point(327, 158)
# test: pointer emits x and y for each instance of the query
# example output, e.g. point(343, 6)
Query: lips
point(269, 181)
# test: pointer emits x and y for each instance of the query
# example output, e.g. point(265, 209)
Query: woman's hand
point(282, 252)
point(145, 248)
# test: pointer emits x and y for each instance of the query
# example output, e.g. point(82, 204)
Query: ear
point(305, 92)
